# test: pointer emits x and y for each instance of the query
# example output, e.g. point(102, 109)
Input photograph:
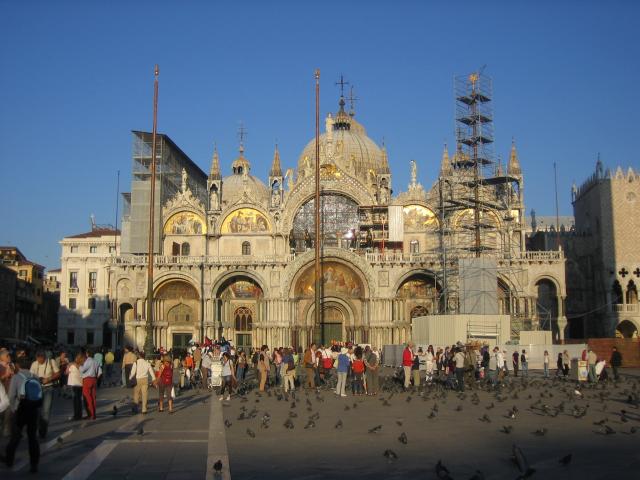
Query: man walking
point(458, 358)
point(407, 363)
point(616, 362)
point(89, 373)
point(48, 372)
point(25, 397)
point(592, 359)
point(128, 360)
point(141, 371)
point(516, 359)
point(309, 365)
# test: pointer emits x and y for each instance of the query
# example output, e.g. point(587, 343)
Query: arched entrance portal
point(239, 304)
point(546, 304)
point(342, 305)
point(177, 315)
point(420, 295)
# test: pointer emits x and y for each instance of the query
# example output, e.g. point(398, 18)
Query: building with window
point(235, 255)
point(29, 292)
point(603, 263)
point(84, 307)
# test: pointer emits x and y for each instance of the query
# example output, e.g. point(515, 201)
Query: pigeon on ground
point(140, 430)
point(391, 455)
point(521, 462)
point(310, 424)
point(485, 418)
point(227, 423)
point(289, 424)
point(541, 432)
point(59, 440)
point(251, 433)
point(375, 429)
point(399, 423)
point(507, 429)
point(403, 438)
point(338, 425)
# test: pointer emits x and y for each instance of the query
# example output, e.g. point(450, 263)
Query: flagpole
point(318, 271)
point(148, 342)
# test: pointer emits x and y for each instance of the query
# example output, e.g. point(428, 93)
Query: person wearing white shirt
point(74, 380)
point(48, 372)
point(141, 371)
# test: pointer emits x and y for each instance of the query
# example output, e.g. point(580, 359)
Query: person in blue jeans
point(343, 369)
point(524, 363)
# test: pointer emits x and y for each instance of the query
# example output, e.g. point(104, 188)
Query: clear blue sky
point(76, 77)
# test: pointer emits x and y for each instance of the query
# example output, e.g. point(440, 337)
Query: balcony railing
point(74, 289)
point(626, 308)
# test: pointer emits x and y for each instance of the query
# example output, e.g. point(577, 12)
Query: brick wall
point(629, 348)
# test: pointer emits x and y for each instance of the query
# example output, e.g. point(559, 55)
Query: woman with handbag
point(164, 382)
point(228, 376)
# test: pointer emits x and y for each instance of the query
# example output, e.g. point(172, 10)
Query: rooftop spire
point(276, 170)
point(215, 164)
point(352, 102)
point(242, 133)
point(384, 166)
point(513, 168)
point(445, 163)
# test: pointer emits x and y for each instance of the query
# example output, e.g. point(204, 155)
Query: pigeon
point(485, 418)
point(399, 423)
point(507, 429)
point(408, 398)
point(512, 413)
point(521, 462)
point(442, 472)
point(293, 415)
point(59, 440)
point(566, 460)
point(347, 408)
point(310, 424)
point(293, 404)
point(227, 423)
point(289, 424)
point(391, 455)
point(375, 429)
point(490, 406)
point(432, 415)
point(459, 408)
point(403, 438)
point(217, 467)
point(140, 430)
point(251, 433)
point(541, 432)
point(385, 403)
point(338, 425)
point(114, 412)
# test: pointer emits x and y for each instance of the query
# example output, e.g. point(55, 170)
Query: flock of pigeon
point(547, 398)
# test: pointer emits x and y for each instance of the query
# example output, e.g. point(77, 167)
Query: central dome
point(345, 143)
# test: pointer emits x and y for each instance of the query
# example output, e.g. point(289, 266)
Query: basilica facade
point(235, 254)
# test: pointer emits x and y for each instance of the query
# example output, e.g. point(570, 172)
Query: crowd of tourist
point(28, 383)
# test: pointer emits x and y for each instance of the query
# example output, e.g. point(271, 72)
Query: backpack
point(31, 391)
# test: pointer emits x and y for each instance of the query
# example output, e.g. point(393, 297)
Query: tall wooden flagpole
point(318, 267)
point(148, 342)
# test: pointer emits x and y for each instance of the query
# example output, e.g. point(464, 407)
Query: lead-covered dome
point(345, 143)
point(240, 181)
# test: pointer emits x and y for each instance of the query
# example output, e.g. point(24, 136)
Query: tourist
point(142, 372)
point(616, 362)
point(197, 357)
point(165, 384)
point(516, 363)
point(439, 354)
point(524, 362)
point(63, 363)
point(309, 365)
point(319, 370)
point(277, 366)
point(429, 360)
point(459, 365)
point(492, 367)
point(415, 368)
point(262, 371)
point(241, 366)
point(357, 367)
point(205, 367)
point(7, 370)
point(48, 372)
point(407, 362)
point(288, 370)
point(189, 365)
point(327, 362)
point(128, 360)
point(74, 381)
point(500, 364)
point(342, 369)
point(89, 374)
point(109, 359)
point(545, 364)
point(592, 359)
point(371, 364)
point(566, 363)
point(228, 376)
point(267, 363)
point(25, 399)
point(560, 365)
point(255, 357)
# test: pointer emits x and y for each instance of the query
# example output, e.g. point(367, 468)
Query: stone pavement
point(171, 446)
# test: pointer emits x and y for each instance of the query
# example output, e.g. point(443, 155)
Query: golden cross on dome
point(342, 83)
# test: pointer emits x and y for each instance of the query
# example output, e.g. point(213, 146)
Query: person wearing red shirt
point(407, 362)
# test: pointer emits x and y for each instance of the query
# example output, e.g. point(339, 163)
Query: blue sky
point(76, 77)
